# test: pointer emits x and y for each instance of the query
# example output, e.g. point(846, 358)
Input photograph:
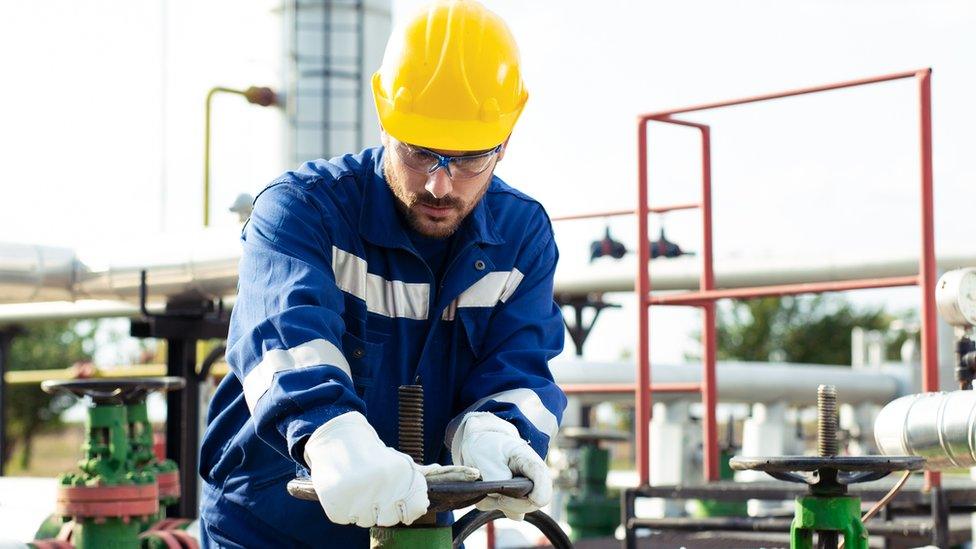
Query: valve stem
point(827, 420)
point(411, 421)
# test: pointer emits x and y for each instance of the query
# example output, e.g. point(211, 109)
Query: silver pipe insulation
point(202, 263)
point(684, 273)
point(206, 262)
point(743, 382)
point(940, 427)
point(36, 273)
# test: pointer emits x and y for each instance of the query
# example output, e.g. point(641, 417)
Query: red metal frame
point(706, 296)
point(613, 213)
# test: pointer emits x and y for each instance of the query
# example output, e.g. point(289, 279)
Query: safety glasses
point(426, 161)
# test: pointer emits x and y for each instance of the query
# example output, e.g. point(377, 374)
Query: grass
point(54, 453)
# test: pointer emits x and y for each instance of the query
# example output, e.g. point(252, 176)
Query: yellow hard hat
point(450, 79)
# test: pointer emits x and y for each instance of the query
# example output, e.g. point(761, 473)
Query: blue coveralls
point(336, 309)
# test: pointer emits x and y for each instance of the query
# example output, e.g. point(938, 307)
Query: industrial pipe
point(940, 427)
point(595, 382)
point(264, 97)
point(206, 261)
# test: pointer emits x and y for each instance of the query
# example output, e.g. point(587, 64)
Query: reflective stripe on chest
point(494, 288)
point(392, 298)
point(398, 299)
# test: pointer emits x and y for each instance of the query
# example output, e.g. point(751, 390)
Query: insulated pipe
point(684, 273)
point(749, 382)
point(200, 262)
point(940, 427)
point(31, 273)
point(206, 261)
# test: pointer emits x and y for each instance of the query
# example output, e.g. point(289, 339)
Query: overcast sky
point(102, 116)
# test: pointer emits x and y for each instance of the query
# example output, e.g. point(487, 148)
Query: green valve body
point(111, 534)
point(592, 512)
point(404, 537)
point(840, 514)
point(140, 435)
point(107, 447)
point(142, 458)
point(106, 464)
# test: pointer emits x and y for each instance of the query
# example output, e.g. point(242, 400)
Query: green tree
point(42, 346)
point(803, 329)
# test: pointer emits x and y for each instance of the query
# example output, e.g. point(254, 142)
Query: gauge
point(955, 296)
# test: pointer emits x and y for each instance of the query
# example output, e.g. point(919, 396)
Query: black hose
point(469, 523)
point(212, 357)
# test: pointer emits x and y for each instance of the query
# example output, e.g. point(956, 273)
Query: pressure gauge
point(955, 296)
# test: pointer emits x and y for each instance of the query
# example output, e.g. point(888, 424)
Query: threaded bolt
point(411, 421)
point(827, 420)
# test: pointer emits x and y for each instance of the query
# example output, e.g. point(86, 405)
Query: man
point(409, 263)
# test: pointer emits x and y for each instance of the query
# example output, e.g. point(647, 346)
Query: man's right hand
point(359, 480)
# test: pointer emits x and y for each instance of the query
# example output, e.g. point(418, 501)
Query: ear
point(384, 138)
point(501, 153)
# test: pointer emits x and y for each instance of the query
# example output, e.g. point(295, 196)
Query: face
point(434, 205)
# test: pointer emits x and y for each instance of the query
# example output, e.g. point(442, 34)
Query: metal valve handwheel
point(114, 390)
point(443, 496)
point(828, 510)
point(447, 496)
point(824, 474)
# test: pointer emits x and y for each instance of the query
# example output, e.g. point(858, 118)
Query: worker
point(410, 263)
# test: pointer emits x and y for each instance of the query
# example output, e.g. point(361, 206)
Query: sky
point(102, 110)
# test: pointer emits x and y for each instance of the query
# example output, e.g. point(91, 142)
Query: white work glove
point(493, 446)
point(361, 481)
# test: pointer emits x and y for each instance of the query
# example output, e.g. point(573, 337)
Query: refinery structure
point(707, 451)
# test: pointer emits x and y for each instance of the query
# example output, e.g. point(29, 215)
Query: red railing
point(706, 296)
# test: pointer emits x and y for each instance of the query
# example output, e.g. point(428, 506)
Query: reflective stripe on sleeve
point(528, 403)
point(318, 352)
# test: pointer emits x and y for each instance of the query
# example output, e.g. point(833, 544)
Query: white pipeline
point(206, 262)
point(743, 381)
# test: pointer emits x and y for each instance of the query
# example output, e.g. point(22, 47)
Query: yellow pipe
point(254, 95)
point(35, 377)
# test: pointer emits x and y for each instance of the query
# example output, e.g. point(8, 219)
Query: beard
point(408, 203)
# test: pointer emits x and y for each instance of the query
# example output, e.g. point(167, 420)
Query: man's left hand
point(493, 445)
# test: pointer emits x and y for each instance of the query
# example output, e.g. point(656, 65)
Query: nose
point(439, 184)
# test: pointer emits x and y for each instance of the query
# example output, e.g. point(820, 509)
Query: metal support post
point(183, 422)
point(7, 335)
point(940, 518)
point(627, 512)
point(642, 389)
point(887, 514)
point(926, 263)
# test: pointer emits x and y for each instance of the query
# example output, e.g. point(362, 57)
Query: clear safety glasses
point(426, 161)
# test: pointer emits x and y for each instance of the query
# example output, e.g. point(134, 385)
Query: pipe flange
point(103, 502)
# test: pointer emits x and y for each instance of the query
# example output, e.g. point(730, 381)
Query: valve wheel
point(443, 496)
point(114, 390)
point(809, 469)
